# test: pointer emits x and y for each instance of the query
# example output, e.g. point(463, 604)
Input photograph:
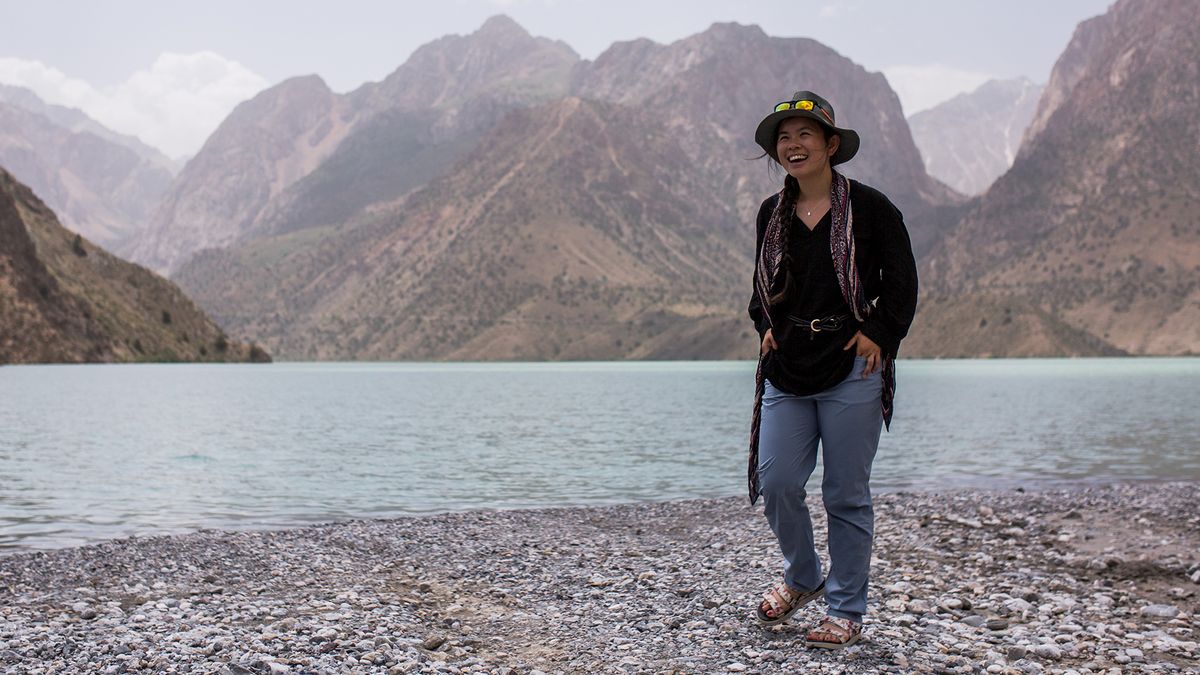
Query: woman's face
point(803, 148)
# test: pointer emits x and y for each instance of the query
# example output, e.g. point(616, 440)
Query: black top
point(807, 362)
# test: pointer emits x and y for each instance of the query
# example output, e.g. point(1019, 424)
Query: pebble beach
point(1102, 579)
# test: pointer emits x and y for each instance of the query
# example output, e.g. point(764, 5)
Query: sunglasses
point(804, 105)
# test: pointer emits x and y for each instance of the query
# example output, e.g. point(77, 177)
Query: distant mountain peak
point(502, 24)
point(726, 29)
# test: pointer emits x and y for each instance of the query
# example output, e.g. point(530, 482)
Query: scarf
point(767, 276)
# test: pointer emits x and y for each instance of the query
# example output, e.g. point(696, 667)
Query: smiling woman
point(835, 290)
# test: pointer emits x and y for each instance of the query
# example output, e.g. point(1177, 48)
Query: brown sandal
point(833, 633)
point(783, 601)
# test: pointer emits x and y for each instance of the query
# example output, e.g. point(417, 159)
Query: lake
point(90, 453)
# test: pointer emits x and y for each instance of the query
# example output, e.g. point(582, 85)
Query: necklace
point(807, 211)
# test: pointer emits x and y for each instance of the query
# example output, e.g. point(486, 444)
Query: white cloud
point(173, 105)
point(922, 87)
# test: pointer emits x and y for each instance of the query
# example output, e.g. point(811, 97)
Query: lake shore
point(1096, 579)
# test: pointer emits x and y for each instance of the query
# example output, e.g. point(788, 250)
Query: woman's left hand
point(867, 349)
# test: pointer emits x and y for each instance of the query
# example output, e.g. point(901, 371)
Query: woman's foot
point(781, 602)
point(833, 633)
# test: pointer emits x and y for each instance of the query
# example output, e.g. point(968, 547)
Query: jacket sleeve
point(760, 319)
point(893, 314)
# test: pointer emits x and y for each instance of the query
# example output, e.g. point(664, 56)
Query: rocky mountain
point(1090, 243)
point(265, 145)
point(77, 121)
point(298, 155)
point(529, 248)
point(348, 261)
point(64, 299)
point(970, 140)
point(103, 184)
point(712, 89)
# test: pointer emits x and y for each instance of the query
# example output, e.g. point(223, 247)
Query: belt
point(813, 326)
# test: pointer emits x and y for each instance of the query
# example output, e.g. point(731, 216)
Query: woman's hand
point(768, 344)
point(868, 349)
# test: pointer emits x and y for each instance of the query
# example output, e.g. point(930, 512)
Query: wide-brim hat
point(806, 104)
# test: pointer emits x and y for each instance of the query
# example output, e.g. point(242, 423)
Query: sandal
point(783, 601)
point(833, 633)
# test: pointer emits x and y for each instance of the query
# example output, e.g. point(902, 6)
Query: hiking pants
point(845, 421)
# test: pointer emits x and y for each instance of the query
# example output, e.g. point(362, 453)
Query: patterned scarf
point(767, 276)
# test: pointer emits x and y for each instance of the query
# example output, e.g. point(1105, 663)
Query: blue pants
point(846, 420)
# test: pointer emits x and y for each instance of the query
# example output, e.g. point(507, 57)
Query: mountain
point(1090, 243)
point(103, 184)
point(712, 89)
point(569, 234)
point(63, 299)
point(265, 145)
point(298, 155)
point(629, 235)
point(970, 140)
point(77, 121)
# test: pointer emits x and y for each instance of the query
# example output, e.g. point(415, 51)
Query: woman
point(835, 289)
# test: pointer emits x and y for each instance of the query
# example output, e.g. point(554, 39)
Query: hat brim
point(765, 134)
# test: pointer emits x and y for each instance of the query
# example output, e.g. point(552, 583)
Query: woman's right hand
point(768, 343)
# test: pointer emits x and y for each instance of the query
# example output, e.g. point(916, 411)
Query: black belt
point(813, 326)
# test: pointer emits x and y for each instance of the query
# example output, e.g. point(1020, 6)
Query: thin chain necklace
point(807, 212)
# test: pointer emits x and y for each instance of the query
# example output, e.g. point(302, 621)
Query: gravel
point(1088, 580)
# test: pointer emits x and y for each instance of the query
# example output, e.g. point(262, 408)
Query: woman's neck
point(816, 187)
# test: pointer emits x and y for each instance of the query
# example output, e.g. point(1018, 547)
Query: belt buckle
point(812, 326)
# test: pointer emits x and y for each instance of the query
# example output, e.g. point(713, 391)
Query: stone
point(1018, 606)
point(1048, 651)
point(1160, 611)
point(974, 620)
point(432, 642)
point(919, 607)
point(1016, 652)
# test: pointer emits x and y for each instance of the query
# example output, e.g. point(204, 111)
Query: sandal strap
point(842, 629)
point(781, 598)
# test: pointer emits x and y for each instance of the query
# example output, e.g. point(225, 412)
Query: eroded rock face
point(972, 139)
point(1094, 230)
point(265, 145)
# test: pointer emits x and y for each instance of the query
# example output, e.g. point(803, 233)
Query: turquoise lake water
point(89, 453)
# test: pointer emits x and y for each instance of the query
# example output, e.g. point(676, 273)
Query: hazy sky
point(169, 72)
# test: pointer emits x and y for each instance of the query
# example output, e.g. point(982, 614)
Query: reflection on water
point(96, 452)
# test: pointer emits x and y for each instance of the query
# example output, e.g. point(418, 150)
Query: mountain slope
point(713, 88)
point(635, 222)
point(570, 233)
point(299, 155)
point(970, 140)
point(104, 185)
point(1096, 223)
point(62, 299)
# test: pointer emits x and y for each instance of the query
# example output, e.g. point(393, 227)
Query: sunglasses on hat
point(804, 105)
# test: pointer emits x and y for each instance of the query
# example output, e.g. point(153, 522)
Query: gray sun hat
point(806, 104)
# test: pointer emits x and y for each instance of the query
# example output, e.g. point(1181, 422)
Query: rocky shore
point(1099, 579)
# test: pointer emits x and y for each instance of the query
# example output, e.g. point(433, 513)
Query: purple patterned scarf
point(768, 269)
